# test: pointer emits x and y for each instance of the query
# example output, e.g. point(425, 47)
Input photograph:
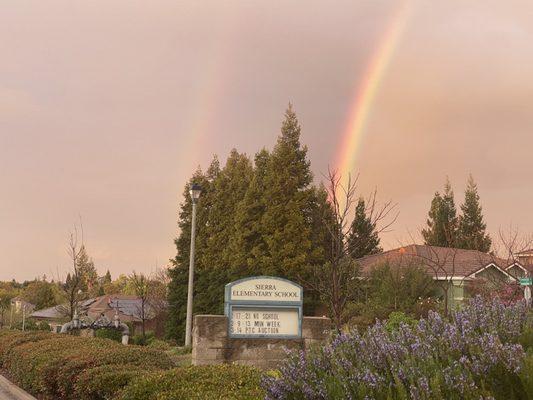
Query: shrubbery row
point(69, 367)
point(63, 366)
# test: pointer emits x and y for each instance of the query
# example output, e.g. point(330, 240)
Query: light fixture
point(195, 192)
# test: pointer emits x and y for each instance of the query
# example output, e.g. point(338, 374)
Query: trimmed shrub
point(139, 340)
point(159, 345)
point(214, 382)
point(52, 364)
point(104, 382)
point(112, 334)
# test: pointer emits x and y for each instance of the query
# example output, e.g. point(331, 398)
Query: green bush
point(159, 345)
point(214, 382)
point(55, 365)
point(112, 334)
point(139, 340)
point(526, 339)
point(526, 375)
point(397, 319)
point(32, 325)
point(105, 381)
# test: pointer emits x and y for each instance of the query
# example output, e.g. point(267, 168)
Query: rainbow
point(365, 94)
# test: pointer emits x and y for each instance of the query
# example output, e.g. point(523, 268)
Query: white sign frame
point(261, 294)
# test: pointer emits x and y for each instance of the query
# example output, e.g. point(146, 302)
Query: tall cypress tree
point(442, 222)
point(287, 194)
point(214, 266)
point(248, 245)
point(471, 234)
point(363, 238)
point(230, 187)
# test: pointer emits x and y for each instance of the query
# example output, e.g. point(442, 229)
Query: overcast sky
point(107, 107)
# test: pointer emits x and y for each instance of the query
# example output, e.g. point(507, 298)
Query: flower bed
point(475, 355)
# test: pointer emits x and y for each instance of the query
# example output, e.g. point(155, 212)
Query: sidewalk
point(10, 391)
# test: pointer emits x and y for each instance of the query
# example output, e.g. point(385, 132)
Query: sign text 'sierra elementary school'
point(264, 306)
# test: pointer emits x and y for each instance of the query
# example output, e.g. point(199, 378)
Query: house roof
point(60, 311)
point(129, 308)
point(48, 313)
point(442, 262)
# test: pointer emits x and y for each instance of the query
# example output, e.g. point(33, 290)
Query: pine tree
point(247, 244)
point(215, 264)
point(471, 233)
point(442, 222)
point(107, 278)
point(87, 273)
point(319, 210)
point(230, 187)
point(287, 194)
point(363, 238)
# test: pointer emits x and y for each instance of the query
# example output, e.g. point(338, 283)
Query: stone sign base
point(212, 345)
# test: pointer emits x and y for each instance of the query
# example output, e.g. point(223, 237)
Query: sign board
point(264, 307)
point(526, 281)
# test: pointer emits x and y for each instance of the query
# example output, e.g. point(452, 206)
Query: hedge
point(65, 367)
point(216, 382)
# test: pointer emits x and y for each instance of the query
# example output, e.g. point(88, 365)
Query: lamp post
point(195, 192)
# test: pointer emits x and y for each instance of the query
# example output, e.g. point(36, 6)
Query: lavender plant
point(469, 356)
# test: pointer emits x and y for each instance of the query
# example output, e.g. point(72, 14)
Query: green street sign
point(526, 281)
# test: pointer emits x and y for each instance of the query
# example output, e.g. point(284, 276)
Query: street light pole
point(195, 194)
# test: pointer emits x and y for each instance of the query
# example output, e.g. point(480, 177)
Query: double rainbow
point(365, 94)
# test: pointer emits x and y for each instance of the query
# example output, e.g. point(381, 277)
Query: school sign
point(264, 307)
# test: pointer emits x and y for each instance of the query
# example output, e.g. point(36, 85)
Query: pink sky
point(106, 108)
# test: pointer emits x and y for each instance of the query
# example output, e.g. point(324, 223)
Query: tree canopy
point(363, 237)
point(258, 218)
point(471, 234)
point(446, 229)
point(441, 227)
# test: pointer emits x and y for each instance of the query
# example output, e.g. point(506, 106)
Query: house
point(19, 305)
point(526, 259)
point(457, 270)
point(129, 309)
point(56, 316)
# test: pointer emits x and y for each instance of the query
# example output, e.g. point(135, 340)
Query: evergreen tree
point(260, 220)
point(107, 278)
point(229, 187)
point(471, 233)
point(287, 194)
point(215, 262)
point(363, 238)
point(319, 210)
point(87, 273)
point(442, 222)
point(247, 244)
